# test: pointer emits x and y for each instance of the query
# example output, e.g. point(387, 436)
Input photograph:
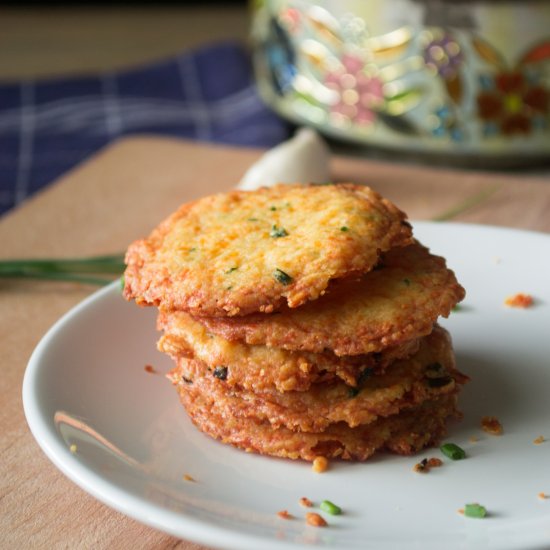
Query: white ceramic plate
point(86, 388)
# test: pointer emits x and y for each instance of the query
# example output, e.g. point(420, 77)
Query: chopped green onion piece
point(344, 228)
point(278, 232)
point(330, 508)
point(273, 208)
point(282, 277)
point(231, 269)
point(475, 511)
point(454, 452)
point(220, 373)
point(121, 283)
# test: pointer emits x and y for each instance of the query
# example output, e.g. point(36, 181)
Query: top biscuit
point(242, 252)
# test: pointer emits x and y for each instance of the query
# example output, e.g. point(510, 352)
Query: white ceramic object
point(86, 389)
point(302, 159)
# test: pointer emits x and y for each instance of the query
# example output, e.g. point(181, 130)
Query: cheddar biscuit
point(237, 253)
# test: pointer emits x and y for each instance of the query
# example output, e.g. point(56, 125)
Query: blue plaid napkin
point(48, 126)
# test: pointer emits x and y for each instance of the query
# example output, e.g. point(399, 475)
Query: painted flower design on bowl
point(360, 93)
point(443, 55)
point(512, 103)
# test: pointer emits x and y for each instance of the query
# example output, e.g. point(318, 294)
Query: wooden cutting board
point(101, 206)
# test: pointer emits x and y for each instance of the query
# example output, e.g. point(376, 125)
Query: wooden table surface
point(100, 207)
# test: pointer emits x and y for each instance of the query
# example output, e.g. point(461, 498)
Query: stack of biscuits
point(302, 320)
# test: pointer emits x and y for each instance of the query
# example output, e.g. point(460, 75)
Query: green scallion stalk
point(467, 204)
point(60, 269)
point(54, 276)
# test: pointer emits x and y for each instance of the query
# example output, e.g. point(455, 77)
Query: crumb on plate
point(312, 518)
point(519, 300)
point(283, 514)
point(320, 464)
point(304, 501)
point(426, 464)
point(538, 440)
point(491, 425)
point(187, 477)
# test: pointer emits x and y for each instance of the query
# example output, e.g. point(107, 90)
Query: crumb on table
point(538, 440)
point(543, 496)
point(283, 514)
point(187, 477)
point(304, 501)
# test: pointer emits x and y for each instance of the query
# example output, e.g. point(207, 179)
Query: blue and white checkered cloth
point(48, 126)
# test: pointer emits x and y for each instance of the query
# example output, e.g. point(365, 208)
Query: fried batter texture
point(407, 383)
point(241, 252)
point(261, 369)
point(404, 433)
point(397, 302)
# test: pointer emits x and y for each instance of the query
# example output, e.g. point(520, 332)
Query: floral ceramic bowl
point(466, 79)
